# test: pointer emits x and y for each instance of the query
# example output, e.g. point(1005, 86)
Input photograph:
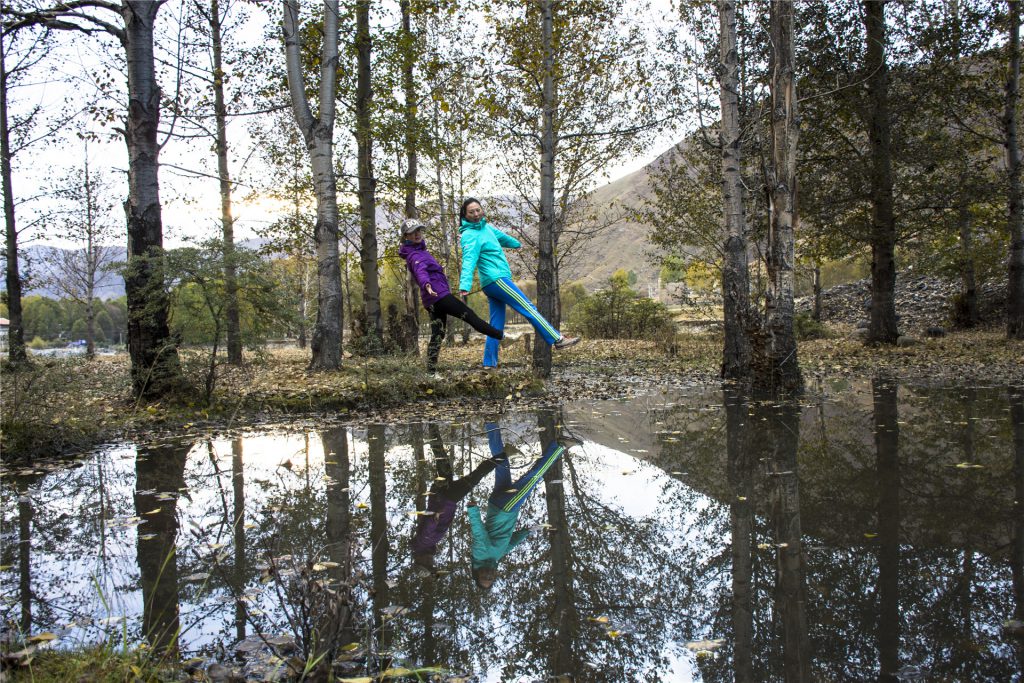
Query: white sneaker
point(510, 339)
point(566, 342)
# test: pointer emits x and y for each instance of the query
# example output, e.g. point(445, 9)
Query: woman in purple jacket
point(437, 296)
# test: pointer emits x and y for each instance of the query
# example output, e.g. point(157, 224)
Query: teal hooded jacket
point(493, 539)
point(483, 249)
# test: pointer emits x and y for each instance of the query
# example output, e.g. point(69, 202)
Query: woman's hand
point(430, 290)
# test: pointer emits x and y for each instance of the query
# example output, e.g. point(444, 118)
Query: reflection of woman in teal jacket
point(495, 537)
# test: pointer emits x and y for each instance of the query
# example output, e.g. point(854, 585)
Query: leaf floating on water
point(152, 512)
point(421, 513)
point(324, 566)
point(201, 576)
point(109, 621)
point(968, 466)
point(393, 611)
point(599, 620)
point(705, 645)
point(741, 498)
point(5, 567)
point(764, 546)
point(147, 537)
point(511, 490)
point(360, 679)
point(613, 634)
point(870, 534)
point(42, 637)
point(362, 506)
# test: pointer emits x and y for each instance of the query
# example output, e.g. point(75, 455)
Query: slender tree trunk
point(782, 371)
point(547, 226)
point(319, 136)
point(1015, 262)
point(16, 334)
point(817, 292)
point(91, 265)
point(882, 327)
point(735, 274)
point(234, 333)
point(303, 298)
point(379, 544)
point(155, 367)
point(967, 315)
point(412, 290)
point(367, 182)
point(25, 515)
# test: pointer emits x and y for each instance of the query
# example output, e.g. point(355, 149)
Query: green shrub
point(38, 343)
point(618, 312)
point(806, 327)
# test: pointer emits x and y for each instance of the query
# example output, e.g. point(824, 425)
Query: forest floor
point(60, 406)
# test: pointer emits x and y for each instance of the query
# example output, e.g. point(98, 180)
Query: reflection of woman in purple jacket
point(445, 494)
point(434, 290)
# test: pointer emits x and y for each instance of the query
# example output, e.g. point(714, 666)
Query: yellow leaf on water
point(42, 637)
point(361, 506)
point(152, 512)
point(360, 679)
point(599, 620)
point(614, 634)
point(868, 534)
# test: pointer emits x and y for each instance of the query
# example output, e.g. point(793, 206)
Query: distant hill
point(626, 244)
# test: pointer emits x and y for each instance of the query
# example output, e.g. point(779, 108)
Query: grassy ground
point(57, 406)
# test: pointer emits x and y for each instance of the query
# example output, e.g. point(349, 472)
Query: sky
point(191, 203)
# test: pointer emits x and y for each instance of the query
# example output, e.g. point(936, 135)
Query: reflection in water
point(887, 466)
point(741, 467)
point(782, 432)
point(159, 470)
point(1016, 395)
point(689, 538)
point(496, 536)
point(445, 494)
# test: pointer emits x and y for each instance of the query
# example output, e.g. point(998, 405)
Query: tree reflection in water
point(874, 531)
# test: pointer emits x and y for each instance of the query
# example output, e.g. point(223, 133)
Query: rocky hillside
point(921, 302)
point(625, 244)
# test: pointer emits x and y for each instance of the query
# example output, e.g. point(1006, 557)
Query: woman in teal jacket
point(483, 250)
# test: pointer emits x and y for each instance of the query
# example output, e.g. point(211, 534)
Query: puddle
point(870, 530)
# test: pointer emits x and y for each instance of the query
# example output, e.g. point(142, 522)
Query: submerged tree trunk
point(882, 326)
point(1015, 225)
point(740, 468)
point(155, 367)
point(318, 134)
point(16, 332)
point(545, 238)
point(234, 333)
point(782, 372)
point(735, 274)
point(367, 182)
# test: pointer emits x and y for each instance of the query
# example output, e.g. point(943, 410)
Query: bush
point(38, 343)
point(806, 327)
point(620, 313)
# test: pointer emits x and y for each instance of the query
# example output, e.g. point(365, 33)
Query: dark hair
point(465, 205)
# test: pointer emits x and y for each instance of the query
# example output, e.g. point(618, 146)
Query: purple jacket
point(430, 529)
point(425, 269)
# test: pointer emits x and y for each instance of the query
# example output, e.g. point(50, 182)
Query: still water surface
point(871, 531)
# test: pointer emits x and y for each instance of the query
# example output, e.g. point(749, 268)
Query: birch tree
point(782, 370)
point(735, 273)
point(77, 273)
point(318, 133)
point(155, 366)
